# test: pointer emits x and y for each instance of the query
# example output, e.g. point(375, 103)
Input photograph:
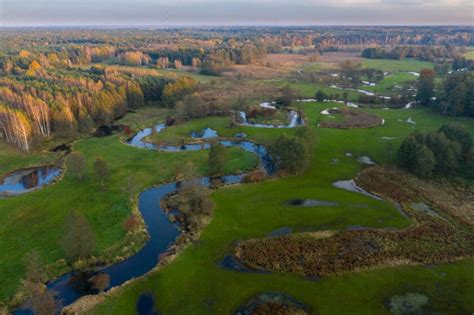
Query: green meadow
point(38, 216)
point(195, 283)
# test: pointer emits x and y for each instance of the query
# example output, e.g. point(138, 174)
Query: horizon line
point(229, 25)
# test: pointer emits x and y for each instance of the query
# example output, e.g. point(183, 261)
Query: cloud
point(236, 12)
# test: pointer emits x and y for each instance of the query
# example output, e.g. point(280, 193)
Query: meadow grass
point(12, 158)
point(386, 85)
point(195, 283)
point(469, 54)
point(397, 65)
point(37, 218)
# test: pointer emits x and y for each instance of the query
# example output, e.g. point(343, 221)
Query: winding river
point(162, 232)
point(294, 118)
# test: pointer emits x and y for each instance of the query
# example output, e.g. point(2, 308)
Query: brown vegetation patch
point(231, 92)
point(352, 119)
point(277, 309)
point(338, 57)
point(254, 71)
point(286, 60)
point(430, 240)
point(450, 199)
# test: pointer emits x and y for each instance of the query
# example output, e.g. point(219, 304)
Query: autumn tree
point(191, 106)
point(76, 165)
point(100, 282)
point(135, 98)
point(287, 96)
point(196, 199)
point(185, 172)
point(78, 241)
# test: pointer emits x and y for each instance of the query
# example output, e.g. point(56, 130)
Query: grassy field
point(177, 134)
point(386, 85)
point(469, 54)
point(397, 65)
point(195, 284)
point(12, 158)
point(308, 90)
point(38, 217)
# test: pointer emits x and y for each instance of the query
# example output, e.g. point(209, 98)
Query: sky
point(236, 12)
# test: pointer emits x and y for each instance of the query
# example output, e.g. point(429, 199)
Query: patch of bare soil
point(446, 237)
point(352, 118)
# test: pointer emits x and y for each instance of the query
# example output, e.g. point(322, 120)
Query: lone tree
point(78, 240)
point(102, 170)
point(320, 96)
point(291, 155)
point(186, 171)
point(196, 199)
point(76, 165)
point(287, 96)
point(217, 159)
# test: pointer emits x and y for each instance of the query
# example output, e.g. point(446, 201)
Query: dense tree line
point(453, 96)
point(428, 53)
point(41, 94)
point(446, 152)
point(210, 37)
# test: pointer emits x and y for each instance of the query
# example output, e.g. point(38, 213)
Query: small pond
point(27, 180)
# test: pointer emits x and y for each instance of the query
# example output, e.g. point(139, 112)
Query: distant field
point(386, 85)
point(308, 90)
point(470, 54)
point(397, 65)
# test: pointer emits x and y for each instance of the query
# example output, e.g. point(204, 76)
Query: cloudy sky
point(236, 12)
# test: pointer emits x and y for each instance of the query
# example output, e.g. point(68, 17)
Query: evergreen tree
point(426, 84)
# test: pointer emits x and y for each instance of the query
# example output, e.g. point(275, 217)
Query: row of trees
point(446, 152)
